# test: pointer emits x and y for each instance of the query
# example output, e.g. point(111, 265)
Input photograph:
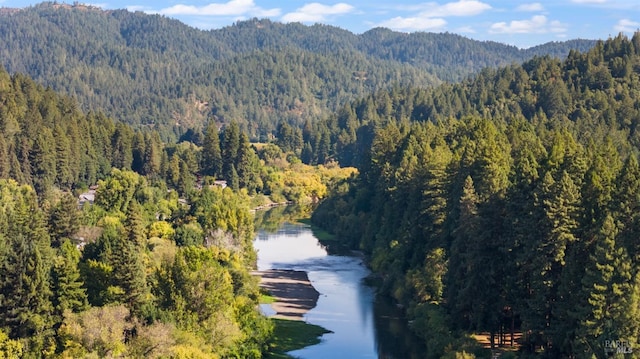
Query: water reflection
point(363, 326)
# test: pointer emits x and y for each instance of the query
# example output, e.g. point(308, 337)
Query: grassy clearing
point(291, 335)
point(266, 298)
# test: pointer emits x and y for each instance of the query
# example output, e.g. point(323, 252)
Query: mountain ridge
point(152, 70)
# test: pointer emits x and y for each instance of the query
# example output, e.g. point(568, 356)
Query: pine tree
point(323, 149)
point(5, 169)
point(68, 289)
point(459, 260)
point(63, 155)
point(64, 220)
point(626, 206)
point(230, 148)
point(121, 145)
point(42, 158)
point(522, 218)
point(152, 154)
point(558, 212)
point(129, 274)
point(248, 166)
point(25, 295)
point(234, 180)
point(611, 296)
point(306, 156)
point(186, 179)
point(211, 163)
point(138, 149)
point(134, 225)
point(562, 214)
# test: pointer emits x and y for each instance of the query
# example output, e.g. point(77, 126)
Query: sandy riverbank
point(294, 295)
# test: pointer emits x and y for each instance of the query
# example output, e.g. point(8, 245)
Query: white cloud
point(589, 1)
point(538, 24)
point(536, 6)
point(414, 24)
point(626, 25)
point(316, 12)
point(100, 5)
point(458, 8)
point(231, 8)
point(431, 16)
point(466, 30)
point(134, 8)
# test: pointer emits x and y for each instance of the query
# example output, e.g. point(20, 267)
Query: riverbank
point(292, 291)
point(292, 296)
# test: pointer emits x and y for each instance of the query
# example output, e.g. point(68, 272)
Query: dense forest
point(155, 262)
point(151, 71)
point(497, 190)
point(507, 204)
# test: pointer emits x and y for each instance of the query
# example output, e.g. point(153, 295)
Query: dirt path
point(293, 292)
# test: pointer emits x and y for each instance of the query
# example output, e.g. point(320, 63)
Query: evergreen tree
point(25, 299)
point(64, 173)
point(122, 145)
point(558, 202)
point(248, 166)
point(134, 225)
point(68, 289)
point(186, 179)
point(289, 138)
point(611, 296)
point(234, 180)
point(43, 161)
point(138, 149)
point(5, 169)
point(306, 156)
point(459, 298)
point(626, 206)
point(230, 148)
point(64, 220)
point(211, 163)
point(130, 275)
point(152, 154)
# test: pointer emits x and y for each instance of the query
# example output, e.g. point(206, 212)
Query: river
point(363, 324)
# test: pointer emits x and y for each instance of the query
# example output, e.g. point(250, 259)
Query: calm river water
point(363, 325)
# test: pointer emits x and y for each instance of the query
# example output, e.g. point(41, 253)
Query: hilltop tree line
point(503, 204)
point(593, 90)
point(151, 71)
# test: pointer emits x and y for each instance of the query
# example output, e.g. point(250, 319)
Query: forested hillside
point(148, 70)
point(155, 261)
point(153, 278)
point(508, 203)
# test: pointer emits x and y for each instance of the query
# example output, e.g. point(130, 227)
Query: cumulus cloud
point(414, 23)
point(538, 24)
point(316, 12)
point(431, 16)
point(458, 8)
point(626, 25)
point(466, 30)
point(231, 8)
point(536, 6)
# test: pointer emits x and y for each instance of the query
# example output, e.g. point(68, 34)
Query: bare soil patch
point(484, 339)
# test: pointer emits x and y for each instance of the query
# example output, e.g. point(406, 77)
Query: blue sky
point(520, 23)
